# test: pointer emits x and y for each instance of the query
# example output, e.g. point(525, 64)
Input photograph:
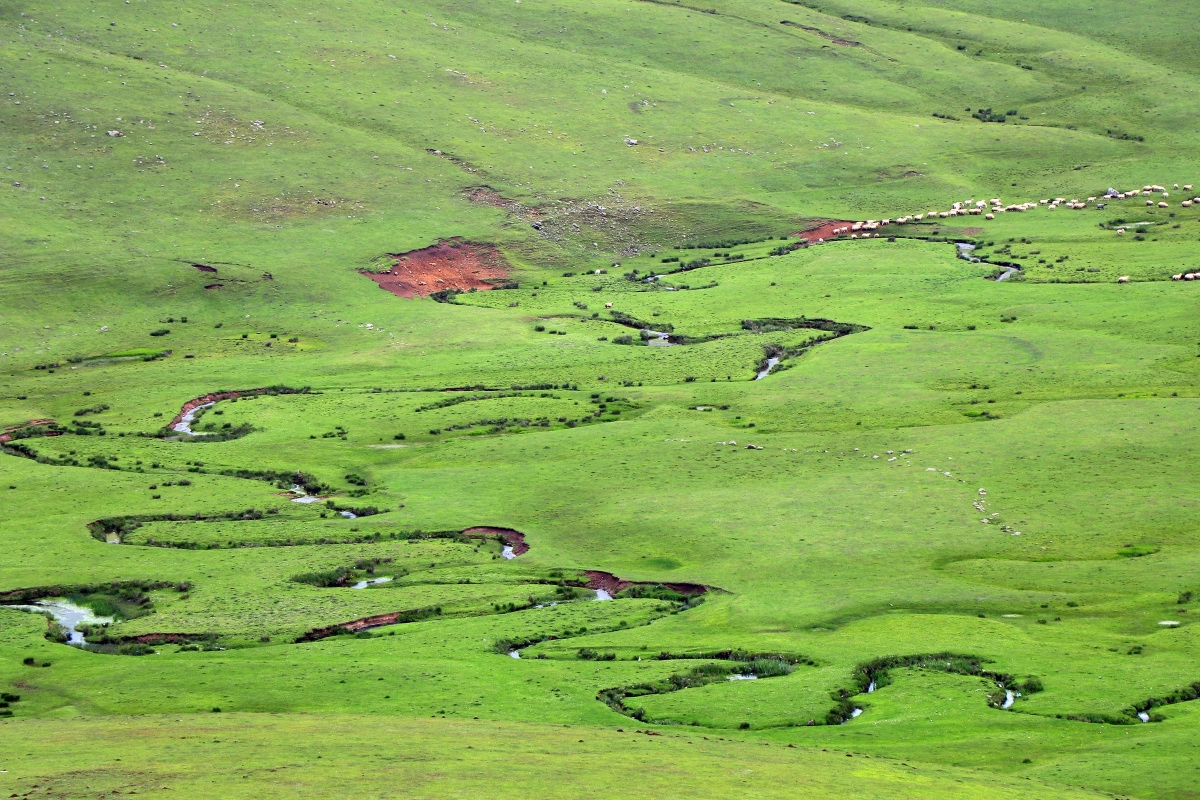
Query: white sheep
point(1123, 279)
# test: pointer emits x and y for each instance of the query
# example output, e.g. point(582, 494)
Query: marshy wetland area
point(570, 399)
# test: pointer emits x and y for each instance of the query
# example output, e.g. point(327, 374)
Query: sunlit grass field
point(950, 533)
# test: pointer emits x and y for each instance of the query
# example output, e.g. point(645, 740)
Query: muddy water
point(185, 423)
point(372, 582)
point(66, 614)
point(765, 371)
point(660, 340)
point(603, 595)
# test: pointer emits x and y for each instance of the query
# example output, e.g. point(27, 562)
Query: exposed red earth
point(823, 231)
point(211, 397)
point(449, 264)
point(612, 584)
point(7, 435)
point(514, 539)
point(353, 626)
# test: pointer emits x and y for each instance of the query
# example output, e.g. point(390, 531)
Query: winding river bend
point(188, 417)
point(67, 614)
point(765, 371)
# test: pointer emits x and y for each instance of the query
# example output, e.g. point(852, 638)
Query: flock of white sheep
point(988, 209)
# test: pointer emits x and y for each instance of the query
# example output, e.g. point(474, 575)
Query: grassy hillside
point(943, 520)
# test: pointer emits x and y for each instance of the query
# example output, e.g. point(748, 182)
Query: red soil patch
point(822, 231)
point(972, 231)
point(514, 539)
point(354, 626)
point(211, 397)
point(449, 264)
point(612, 584)
point(7, 435)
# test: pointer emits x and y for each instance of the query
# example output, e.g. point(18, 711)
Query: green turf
point(997, 472)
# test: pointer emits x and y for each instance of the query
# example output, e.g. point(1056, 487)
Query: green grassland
point(941, 469)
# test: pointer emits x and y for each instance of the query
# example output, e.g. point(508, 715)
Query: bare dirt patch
point(512, 538)
point(216, 397)
point(823, 230)
point(449, 264)
point(11, 432)
point(612, 584)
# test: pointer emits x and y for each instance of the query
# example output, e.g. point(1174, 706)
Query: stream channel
point(185, 424)
point(765, 371)
point(67, 614)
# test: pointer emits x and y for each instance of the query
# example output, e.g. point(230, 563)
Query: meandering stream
point(185, 422)
point(67, 614)
point(660, 339)
point(765, 371)
point(372, 582)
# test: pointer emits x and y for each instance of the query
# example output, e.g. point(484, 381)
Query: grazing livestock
point(1123, 279)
